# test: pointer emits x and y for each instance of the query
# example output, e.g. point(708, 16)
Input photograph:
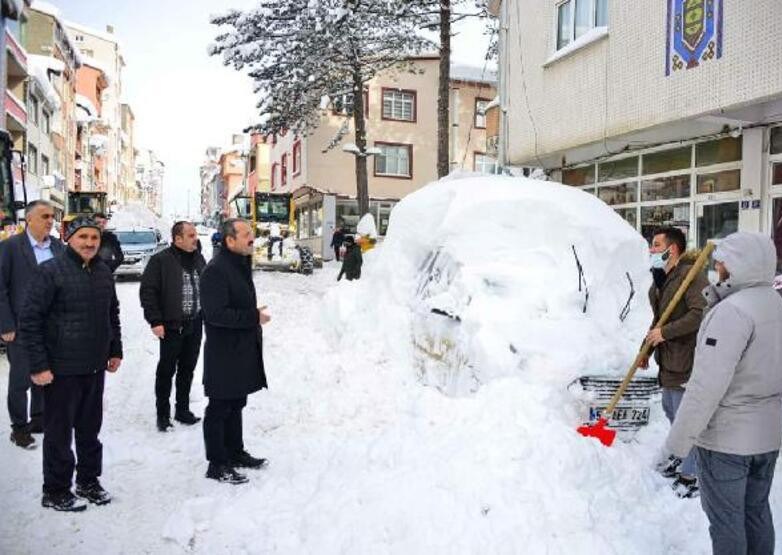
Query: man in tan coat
point(674, 343)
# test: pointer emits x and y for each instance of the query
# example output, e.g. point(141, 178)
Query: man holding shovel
point(674, 342)
point(732, 409)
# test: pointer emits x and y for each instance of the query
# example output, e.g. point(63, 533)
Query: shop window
point(585, 175)
point(399, 105)
point(665, 188)
point(777, 230)
point(618, 169)
point(630, 215)
point(720, 151)
point(776, 140)
point(484, 164)
point(653, 217)
point(618, 194)
point(717, 221)
point(347, 215)
point(667, 160)
point(719, 182)
point(317, 221)
point(776, 174)
point(577, 17)
point(394, 160)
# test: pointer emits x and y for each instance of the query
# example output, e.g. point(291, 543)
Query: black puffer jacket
point(351, 264)
point(69, 322)
point(233, 352)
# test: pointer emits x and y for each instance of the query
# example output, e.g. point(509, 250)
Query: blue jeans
point(672, 398)
point(734, 496)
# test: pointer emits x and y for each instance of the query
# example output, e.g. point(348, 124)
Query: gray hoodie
point(733, 401)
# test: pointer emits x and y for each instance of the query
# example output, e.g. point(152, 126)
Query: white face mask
point(658, 260)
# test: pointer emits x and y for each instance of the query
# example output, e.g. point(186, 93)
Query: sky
point(184, 100)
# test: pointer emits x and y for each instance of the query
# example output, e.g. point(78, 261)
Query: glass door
point(776, 229)
point(716, 220)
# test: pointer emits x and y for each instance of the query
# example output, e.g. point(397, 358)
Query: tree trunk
point(443, 92)
point(362, 186)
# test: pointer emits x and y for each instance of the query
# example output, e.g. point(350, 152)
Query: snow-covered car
point(138, 245)
point(511, 277)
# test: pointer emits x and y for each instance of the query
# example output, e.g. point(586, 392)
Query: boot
point(164, 423)
point(21, 436)
point(243, 459)
point(93, 492)
point(186, 417)
point(226, 474)
point(63, 501)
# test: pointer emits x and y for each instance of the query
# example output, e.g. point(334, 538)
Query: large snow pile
point(135, 214)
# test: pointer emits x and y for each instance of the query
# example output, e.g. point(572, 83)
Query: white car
point(138, 245)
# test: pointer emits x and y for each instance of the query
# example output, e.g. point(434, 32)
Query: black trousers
point(223, 429)
point(336, 253)
point(178, 355)
point(73, 404)
point(19, 383)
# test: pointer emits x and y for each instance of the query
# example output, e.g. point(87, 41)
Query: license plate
point(622, 415)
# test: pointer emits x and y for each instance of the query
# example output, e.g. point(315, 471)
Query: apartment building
point(211, 187)
point(45, 36)
point(150, 175)
point(102, 48)
point(668, 111)
point(401, 115)
point(91, 81)
point(43, 104)
point(127, 155)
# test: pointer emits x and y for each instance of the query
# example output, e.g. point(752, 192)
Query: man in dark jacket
point(70, 331)
point(233, 353)
point(20, 256)
point(351, 265)
point(674, 343)
point(170, 298)
point(110, 249)
point(336, 241)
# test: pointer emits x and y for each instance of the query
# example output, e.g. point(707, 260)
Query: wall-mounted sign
point(693, 33)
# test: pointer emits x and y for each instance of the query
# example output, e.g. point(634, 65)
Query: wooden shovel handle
point(697, 268)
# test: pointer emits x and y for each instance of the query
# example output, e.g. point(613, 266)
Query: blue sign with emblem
point(694, 33)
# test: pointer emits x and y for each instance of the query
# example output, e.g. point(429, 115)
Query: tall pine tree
point(301, 53)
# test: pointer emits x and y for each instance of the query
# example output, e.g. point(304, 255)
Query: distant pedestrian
point(217, 239)
point(170, 297)
point(20, 256)
point(351, 265)
point(336, 241)
point(674, 343)
point(70, 330)
point(233, 352)
point(732, 407)
point(110, 250)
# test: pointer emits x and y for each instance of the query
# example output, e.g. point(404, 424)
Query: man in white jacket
point(732, 406)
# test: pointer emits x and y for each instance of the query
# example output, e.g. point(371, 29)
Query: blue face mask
point(658, 260)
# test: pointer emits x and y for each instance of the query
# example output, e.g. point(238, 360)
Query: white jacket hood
point(751, 260)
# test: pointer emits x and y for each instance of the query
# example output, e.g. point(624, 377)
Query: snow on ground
point(364, 458)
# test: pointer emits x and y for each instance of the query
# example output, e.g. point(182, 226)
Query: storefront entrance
point(716, 220)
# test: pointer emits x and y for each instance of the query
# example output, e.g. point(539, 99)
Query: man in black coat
point(233, 353)
point(70, 331)
point(170, 298)
point(351, 265)
point(20, 256)
point(336, 241)
point(110, 249)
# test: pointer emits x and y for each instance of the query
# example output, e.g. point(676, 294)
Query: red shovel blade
point(599, 430)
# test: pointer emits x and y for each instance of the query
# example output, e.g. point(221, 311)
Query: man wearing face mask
point(732, 409)
point(674, 343)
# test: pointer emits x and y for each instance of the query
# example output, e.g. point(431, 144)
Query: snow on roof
point(83, 115)
point(99, 65)
point(47, 62)
point(94, 32)
point(493, 104)
point(49, 9)
point(37, 66)
point(461, 72)
point(87, 104)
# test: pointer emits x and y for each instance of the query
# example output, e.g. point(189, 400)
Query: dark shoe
point(21, 437)
point(64, 501)
point(35, 426)
point(93, 492)
point(245, 460)
point(163, 424)
point(186, 417)
point(226, 474)
point(686, 488)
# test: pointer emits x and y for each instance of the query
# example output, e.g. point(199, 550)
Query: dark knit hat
point(78, 223)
